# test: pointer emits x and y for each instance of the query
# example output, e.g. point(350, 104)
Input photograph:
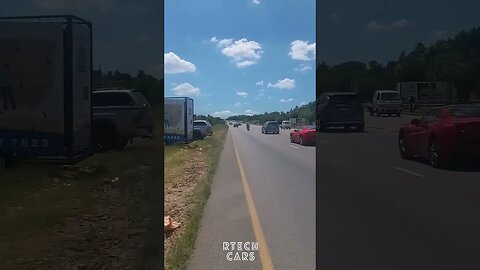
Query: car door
point(425, 128)
point(412, 134)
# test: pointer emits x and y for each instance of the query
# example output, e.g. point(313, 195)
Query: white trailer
point(178, 119)
point(45, 87)
point(428, 93)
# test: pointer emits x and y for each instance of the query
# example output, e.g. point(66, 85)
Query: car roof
point(341, 93)
point(386, 91)
point(114, 90)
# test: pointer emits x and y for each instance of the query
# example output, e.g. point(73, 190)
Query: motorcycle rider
point(248, 126)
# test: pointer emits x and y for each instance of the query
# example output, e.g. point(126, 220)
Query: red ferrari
point(304, 136)
point(442, 135)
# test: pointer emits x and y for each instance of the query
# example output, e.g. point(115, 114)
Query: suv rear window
point(141, 99)
point(199, 123)
point(272, 124)
point(112, 99)
point(343, 99)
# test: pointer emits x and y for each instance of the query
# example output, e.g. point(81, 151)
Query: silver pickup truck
point(119, 115)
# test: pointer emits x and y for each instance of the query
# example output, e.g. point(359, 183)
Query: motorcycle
point(248, 127)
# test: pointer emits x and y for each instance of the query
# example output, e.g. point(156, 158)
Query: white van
point(286, 125)
point(386, 102)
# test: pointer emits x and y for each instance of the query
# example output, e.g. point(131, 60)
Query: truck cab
point(386, 102)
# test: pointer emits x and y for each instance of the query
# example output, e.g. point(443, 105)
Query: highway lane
point(281, 180)
point(377, 211)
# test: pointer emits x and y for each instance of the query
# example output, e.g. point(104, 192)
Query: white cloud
point(402, 23)
point(224, 114)
point(283, 84)
point(242, 94)
point(259, 83)
point(250, 112)
point(301, 50)
point(225, 42)
point(214, 39)
point(303, 68)
point(261, 94)
point(243, 52)
point(375, 26)
point(174, 64)
point(186, 89)
point(256, 2)
point(286, 100)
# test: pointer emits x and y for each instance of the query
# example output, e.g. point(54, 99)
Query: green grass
point(36, 197)
point(174, 158)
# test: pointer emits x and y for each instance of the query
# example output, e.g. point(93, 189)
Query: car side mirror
point(415, 121)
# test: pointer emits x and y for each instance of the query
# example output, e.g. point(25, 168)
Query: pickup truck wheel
point(106, 137)
point(197, 135)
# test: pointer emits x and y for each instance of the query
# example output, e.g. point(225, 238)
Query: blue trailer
point(178, 119)
point(45, 88)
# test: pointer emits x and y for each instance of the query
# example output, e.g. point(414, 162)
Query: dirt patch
point(107, 237)
point(179, 193)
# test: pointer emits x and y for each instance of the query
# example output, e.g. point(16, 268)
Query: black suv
point(342, 109)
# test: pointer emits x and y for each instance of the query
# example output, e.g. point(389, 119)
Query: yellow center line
point(257, 228)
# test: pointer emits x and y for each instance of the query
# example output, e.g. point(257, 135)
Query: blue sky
point(352, 30)
point(242, 56)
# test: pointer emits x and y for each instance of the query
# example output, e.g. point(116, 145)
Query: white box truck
point(428, 93)
point(178, 119)
point(45, 88)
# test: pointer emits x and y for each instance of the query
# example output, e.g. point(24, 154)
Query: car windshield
point(286, 122)
point(390, 96)
point(344, 99)
point(465, 111)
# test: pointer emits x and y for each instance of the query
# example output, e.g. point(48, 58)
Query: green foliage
point(209, 118)
point(306, 111)
point(150, 86)
point(455, 60)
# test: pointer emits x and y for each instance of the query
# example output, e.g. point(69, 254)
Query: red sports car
point(443, 135)
point(305, 135)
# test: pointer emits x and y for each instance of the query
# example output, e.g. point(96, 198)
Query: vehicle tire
point(403, 148)
point(301, 141)
point(106, 137)
point(197, 135)
point(291, 139)
point(435, 159)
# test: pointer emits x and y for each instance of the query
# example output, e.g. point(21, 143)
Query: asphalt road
point(377, 211)
point(280, 178)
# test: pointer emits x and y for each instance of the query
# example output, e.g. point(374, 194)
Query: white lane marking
point(293, 146)
point(410, 172)
point(323, 141)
